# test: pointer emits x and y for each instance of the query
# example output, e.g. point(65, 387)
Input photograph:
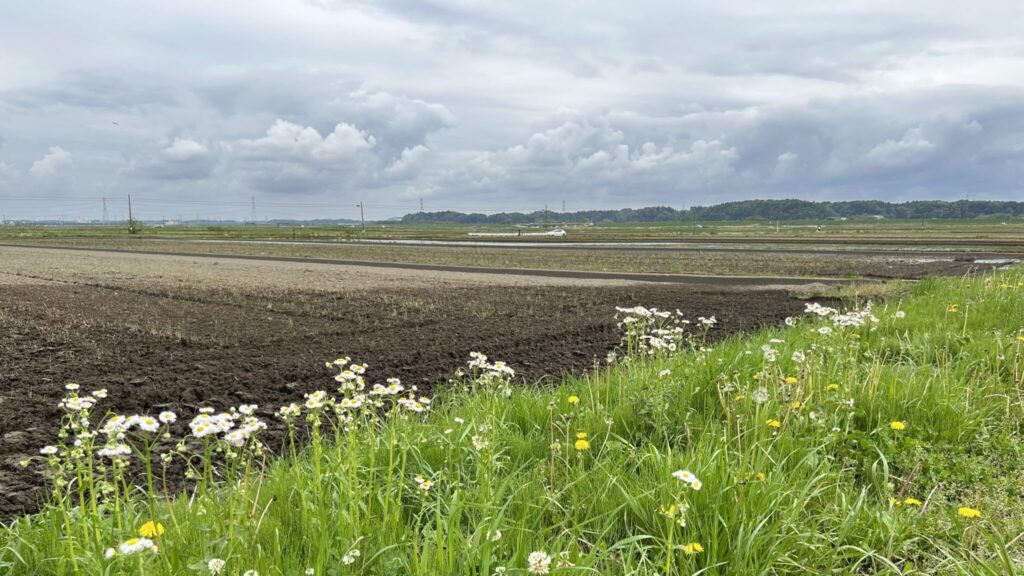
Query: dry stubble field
point(171, 332)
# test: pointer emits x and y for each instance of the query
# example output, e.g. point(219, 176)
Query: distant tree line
point(744, 210)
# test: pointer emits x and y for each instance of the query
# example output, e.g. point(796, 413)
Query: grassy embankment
point(892, 447)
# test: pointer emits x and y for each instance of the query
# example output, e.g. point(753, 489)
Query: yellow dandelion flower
point(581, 435)
point(757, 376)
point(151, 529)
point(912, 502)
point(740, 397)
point(773, 423)
point(790, 379)
point(797, 405)
point(897, 425)
point(969, 512)
point(761, 476)
point(693, 548)
point(832, 387)
point(1021, 337)
point(582, 445)
point(953, 308)
point(574, 400)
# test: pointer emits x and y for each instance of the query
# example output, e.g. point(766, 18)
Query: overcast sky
point(195, 107)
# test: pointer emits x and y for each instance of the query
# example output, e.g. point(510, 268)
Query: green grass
point(824, 492)
point(1003, 232)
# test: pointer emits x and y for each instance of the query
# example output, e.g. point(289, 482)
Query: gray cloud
point(485, 106)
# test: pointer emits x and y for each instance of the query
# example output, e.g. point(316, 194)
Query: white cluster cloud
point(285, 141)
point(48, 165)
point(185, 148)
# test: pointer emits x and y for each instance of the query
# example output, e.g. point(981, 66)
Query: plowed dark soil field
point(157, 343)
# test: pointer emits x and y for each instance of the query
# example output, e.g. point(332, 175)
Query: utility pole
point(361, 218)
point(131, 221)
point(421, 204)
point(104, 211)
point(563, 206)
point(254, 210)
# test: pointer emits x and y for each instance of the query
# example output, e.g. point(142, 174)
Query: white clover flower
point(251, 573)
point(48, 450)
point(799, 357)
point(664, 373)
point(900, 314)
point(310, 572)
point(215, 566)
point(458, 420)
point(350, 557)
point(479, 443)
point(539, 562)
point(135, 545)
point(168, 417)
point(494, 535)
point(824, 330)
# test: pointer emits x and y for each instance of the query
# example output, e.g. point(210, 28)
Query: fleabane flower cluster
point(350, 376)
point(853, 318)
point(652, 331)
point(689, 478)
point(207, 424)
point(496, 375)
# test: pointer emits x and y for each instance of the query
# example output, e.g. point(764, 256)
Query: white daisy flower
point(135, 545)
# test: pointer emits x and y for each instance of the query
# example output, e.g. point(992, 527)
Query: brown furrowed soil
point(174, 333)
point(753, 260)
